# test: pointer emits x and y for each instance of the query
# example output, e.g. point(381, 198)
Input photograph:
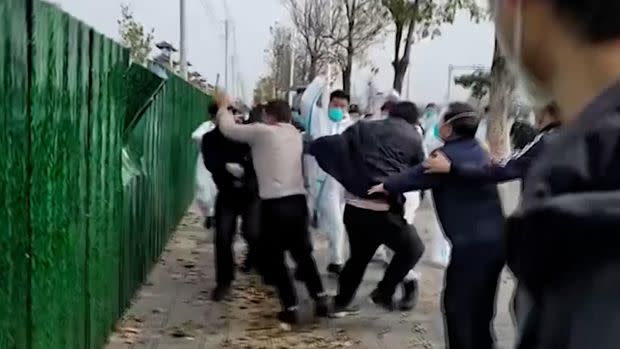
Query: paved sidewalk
point(173, 310)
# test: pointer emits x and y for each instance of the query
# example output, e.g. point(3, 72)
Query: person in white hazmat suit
point(325, 115)
point(206, 191)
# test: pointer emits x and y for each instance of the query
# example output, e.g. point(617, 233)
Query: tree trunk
point(500, 99)
point(346, 75)
point(401, 64)
point(400, 70)
point(312, 69)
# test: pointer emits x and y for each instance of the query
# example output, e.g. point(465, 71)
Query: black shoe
point(220, 293)
point(247, 266)
point(208, 222)
point(323, 306)
point(345, 311)
point(410, 295)
point(299, 276)
point(382, 300)
point(335, 269)
point(289, 316)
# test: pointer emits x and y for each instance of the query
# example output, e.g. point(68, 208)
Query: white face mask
point(533, 90)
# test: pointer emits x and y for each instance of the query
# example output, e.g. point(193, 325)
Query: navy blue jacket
point(515, 168)
point(563, 239)
point(468, 213)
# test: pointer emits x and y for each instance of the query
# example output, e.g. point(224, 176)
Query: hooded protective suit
point(206, 190)
point(325, 194)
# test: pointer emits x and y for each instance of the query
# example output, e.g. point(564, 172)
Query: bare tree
point(134, 36)
point(357, 25)
point(500, 102)
point(314, 27)
point(419, 19)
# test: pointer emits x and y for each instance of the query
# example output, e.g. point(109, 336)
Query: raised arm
point(515, 168)
point(237, 132)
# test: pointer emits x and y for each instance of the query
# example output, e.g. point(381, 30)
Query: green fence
point(96, 170)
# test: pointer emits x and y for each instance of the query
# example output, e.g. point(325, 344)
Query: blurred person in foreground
point(366, 153)
point(472, 219)
point(563, 238)
point(276, 148)
point(547, 121)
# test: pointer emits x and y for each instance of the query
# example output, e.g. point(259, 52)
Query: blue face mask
point(436, 131)
point(335, 114)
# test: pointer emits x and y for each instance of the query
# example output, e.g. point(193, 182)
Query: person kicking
point(367, 153)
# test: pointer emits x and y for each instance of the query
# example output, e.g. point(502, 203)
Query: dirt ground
point(173, 309)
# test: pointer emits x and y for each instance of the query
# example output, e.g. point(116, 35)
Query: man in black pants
point(230, 164)
point(472, 219)
point(547, 121)
point(276, 147)
point(364, 154)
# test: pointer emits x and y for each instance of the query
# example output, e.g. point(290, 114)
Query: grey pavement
point(173, 310)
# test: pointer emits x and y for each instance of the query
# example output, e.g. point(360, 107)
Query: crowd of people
point(358, 180)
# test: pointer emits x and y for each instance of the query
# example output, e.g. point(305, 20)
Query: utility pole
point(183, 52)
point(227, 36)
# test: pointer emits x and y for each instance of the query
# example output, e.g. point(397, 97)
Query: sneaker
point(323, 306)
point(220, 293)
point(345, 311)
point(382, 300)
point(410, 295)
point(335, 269)
point(289, 316)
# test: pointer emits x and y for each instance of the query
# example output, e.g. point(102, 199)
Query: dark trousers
point(367, 231)
point(470, 287)
point(285, 228)
point(229, 206)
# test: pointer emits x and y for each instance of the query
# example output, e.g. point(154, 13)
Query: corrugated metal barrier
point(96, 169)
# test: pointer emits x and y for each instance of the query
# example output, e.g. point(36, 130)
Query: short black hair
point(431, 105)
point(280, 110)
point(596, 20)
point(407, 111)
point(339, 94)
point(466, 119)
point(354, 108)
point(553, 110)
point(256, 114)
point(387, 106)
point(213, 110)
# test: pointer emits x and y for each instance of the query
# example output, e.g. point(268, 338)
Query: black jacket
point(217, 151)
point(468, 213)
point(563, 239)
point(368, 152)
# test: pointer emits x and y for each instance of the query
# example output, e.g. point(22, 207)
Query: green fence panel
point(60, 114)
point(14, 177)
point(108, 65)
point(97, 169)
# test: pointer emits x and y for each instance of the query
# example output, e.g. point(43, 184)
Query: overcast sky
point(462, 44)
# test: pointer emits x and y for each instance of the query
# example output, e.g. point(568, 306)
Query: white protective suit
point(206, 191)
point(325, 194)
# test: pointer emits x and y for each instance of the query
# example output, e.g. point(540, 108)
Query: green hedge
point(97, 169)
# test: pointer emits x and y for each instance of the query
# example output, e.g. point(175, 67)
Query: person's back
point(277, 160)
